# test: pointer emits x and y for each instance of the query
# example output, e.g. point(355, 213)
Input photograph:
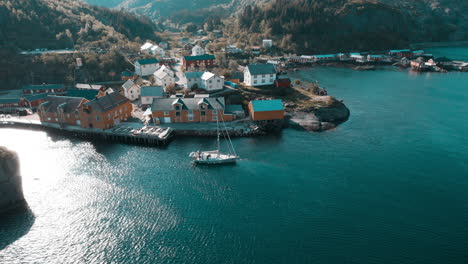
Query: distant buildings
point(259, 74)
point(232, 49)
point(146, 67)
point(152, 49)
point(189, 110)
point(267, 43)
point(261, 110)
point(401, 53)
point(198, 51)
point(43, 89)
point(11, 98)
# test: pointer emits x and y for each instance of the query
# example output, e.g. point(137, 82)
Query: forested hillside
point(27, 24)
point(345, 25)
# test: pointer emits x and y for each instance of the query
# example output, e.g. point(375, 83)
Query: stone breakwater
point(11, 192)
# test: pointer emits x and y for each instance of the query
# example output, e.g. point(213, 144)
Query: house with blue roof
point(146, 67)
point(261, 110)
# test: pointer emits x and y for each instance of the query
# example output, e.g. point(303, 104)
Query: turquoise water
point(388, 186)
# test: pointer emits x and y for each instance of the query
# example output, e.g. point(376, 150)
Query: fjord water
point(388, 186)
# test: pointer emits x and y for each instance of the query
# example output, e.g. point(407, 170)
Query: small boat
point(215, 157)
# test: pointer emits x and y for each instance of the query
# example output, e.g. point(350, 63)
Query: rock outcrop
point(320, 118)
point(11, 192)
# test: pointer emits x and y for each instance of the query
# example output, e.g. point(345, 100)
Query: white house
point(158, 51)
point(146, 47)
point(197, 51)
point(167, 70)
point(192, 78)
point(164, 44)
point(146, 67)
point(358, 57)
point(163, 79)
point(131, 90)
point(259, 74)
point(211, 82)
point(267, 43)
point(148, 93)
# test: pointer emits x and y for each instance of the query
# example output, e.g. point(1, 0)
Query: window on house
point(109, 116)
point(177, 114)
point(210, 81)
point(219, 80)
point(166, 113)
point(190, 112)
point(215, 118)
point(190, 118)
point(97, 118)
point(76, 113)
point(215, 112)
point(68, 115)
point(255, 82)
point(203, 113)
point(177, 107)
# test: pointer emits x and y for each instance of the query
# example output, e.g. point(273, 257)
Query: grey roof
point(107, 102)
point(187, 103)
point(152, 91)
point(260, 69)
point(68, 104)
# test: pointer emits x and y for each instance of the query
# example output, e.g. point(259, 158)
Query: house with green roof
point(261, 110)
point(149, 93)
point(146, 67)
point(259, 74)
point(88, 94)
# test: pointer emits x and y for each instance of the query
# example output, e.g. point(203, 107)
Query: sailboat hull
point(213, 158)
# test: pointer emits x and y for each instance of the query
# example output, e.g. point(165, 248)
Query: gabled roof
point(152, 91)
point(146, 46)
point(43, 86)
point(260, 69)
point(85, 93)
point(200, 57)
point(107, 102)
point(166, 104)
point(68, 104)
point(192, 75)
point(396, 51)
point(267, 105)
point(207, 75)
point(160, 74)
point(147, 61)
point(128, 84)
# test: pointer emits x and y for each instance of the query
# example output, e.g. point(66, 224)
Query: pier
point(123, 133)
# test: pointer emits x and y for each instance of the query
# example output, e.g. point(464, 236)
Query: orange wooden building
point(106, 111)
point(103, 112)
point(266, 110)
point(188, 110)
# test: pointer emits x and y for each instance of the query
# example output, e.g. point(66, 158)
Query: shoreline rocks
point(319, 119)
point(11, 191)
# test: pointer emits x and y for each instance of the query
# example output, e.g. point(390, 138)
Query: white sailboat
point(214, 157)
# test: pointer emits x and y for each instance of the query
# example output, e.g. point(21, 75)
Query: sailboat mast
point(217, 129)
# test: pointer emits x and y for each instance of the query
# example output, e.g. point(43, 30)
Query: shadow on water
point(15, 224)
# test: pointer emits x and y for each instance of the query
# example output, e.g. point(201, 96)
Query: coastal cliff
point(11, 192)
point(325, 113)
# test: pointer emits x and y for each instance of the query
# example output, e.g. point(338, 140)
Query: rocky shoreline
point(11, 192)
point(319, 119)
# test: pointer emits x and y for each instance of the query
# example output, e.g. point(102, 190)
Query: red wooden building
point(198, 61)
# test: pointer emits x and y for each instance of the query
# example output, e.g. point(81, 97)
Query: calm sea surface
point(388, 186)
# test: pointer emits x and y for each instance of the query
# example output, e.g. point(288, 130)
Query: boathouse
point(61, 110)
point(206, 60)
point(266, 110)
point(188, 110)
point(106, 111)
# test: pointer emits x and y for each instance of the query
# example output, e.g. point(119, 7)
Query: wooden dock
point(144, 136)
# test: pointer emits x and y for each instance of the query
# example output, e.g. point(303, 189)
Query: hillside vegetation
point(53, 24)
point(346, 25)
